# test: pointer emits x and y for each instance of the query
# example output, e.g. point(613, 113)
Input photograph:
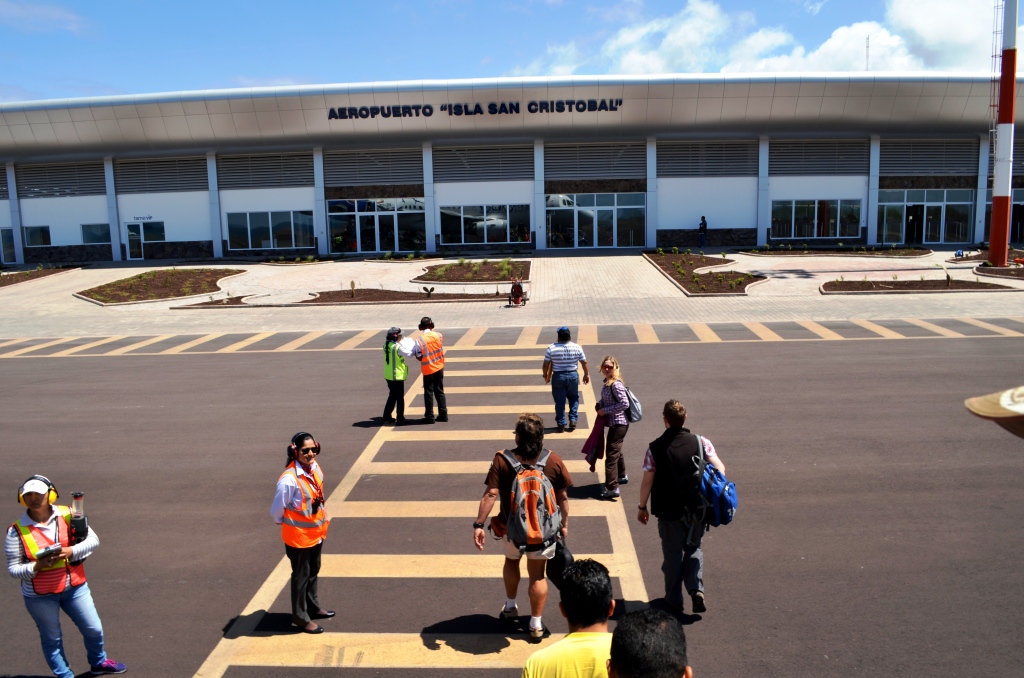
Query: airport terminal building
point(502, 164)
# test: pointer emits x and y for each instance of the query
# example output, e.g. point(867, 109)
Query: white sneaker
point(509, 614)
point(537, 635)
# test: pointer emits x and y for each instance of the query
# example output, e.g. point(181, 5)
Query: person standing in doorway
point(612, 406)
point(560, 371)
point(395, 373)
point(702, 231)
point(43, 555)
point(429, 350)
point(298, 508)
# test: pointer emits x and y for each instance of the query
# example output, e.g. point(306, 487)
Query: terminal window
point(377, 225)
point(484, 224)
point(37, 236)
point(807, 219)
point(270, 230)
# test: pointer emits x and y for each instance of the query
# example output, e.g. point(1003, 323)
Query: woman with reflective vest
point(42, 553)
point(299, 509)
point(395, 374)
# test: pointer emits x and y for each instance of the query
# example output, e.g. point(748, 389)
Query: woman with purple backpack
point(613, 407)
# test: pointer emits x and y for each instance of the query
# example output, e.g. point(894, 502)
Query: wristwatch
point(642, 507)
point(478, 526)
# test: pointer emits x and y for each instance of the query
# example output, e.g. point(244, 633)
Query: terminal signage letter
point(465, 109)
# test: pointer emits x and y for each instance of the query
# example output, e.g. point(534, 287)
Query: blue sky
point(56, 49)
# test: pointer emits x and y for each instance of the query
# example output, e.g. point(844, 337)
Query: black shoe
point(572, 426)
point(323, 614)
point(402, 422)
point(390, 420)
point(609, 496)
point(623, 480)
point(316, 629)
point(561, 428)
point(427, 420)
point(698, 602)
point(442, 418)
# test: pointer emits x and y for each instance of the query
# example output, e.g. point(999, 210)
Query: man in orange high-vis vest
point(429, 350)
point(55, 582)
point(298, 508)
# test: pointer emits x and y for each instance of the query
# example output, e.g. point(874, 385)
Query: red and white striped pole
point(999, 240)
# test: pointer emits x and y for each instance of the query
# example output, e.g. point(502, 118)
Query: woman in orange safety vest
point(299, 509)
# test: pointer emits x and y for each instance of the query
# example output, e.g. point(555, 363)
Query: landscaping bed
point(21, 276)
point(483, 270)
point(162, 284)
point(377, 295)
point(864, 251)
point(680, 267)
point(1016, 272)
point(908, 286)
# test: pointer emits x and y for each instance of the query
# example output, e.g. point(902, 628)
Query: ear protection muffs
point(426, 323)
point(51, 495)
point(297, 439)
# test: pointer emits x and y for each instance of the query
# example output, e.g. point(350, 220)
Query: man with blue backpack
point(685, 480)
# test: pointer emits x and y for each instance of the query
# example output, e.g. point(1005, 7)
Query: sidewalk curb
point(821, 289)
point(52, 275)
point(978, 270)
point(862, 255)
point(154, 301)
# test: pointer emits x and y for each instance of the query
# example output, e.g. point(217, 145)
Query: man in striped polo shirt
point(560, 371)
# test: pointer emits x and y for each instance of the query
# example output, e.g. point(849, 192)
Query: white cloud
point(686, 41)
point(557, 60)
point(945, 34)
point(36, 17)
point(814, 7)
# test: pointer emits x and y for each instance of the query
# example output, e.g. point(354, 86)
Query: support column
point(538, 215)
point(874, 161)
point(112, 215)
point(982, 198)
point(428, 196)
point(320, 203)
point(216, 229)
point(652, 193)
point(999, 240)
point(12, 194)
point(764, 206)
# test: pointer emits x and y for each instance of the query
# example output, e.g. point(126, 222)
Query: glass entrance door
point(135, 241)
point(915, 224)
point(933, 223)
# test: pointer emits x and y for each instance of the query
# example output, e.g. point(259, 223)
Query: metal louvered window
point(618, 161)
point(60, 180)
point(160, 175)
point(918, 157)
point(707, 159)
point(818, 157)
point(374, 167)
point(264, 171)
point(4, 193)
point(489, 163)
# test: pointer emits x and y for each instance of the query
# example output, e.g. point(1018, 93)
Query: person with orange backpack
point(531, 484)
point(298, 508)
point(45, 549)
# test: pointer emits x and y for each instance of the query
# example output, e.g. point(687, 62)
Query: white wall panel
point(5, 213)
point(186, 215)
point(484, 193)
point(819, 188)
point(726, 202)
point(64, 216)
point(266, 200)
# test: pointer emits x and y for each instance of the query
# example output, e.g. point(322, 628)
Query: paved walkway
point(572, 289)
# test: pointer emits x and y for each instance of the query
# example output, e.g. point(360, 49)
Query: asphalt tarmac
point(879, 528)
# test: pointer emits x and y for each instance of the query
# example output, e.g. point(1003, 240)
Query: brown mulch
point(680, 267)
point(879, 251)
point(384, 296)
point(22, 276)
point(162, 284)
point(475, 271)
point(983, 256)
point(1016, 272)
point(907, 285)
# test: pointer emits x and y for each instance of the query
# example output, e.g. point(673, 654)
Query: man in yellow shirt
point(586, 603)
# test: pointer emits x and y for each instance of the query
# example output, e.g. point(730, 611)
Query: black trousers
point(614, 464)
point(396, 396)
point(433, 387)
point(305, 568)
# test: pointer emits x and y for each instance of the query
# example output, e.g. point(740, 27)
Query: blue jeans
point(76, 601)
point(565, 385)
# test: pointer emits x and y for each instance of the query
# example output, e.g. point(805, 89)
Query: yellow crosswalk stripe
point(237, 346)
point(442, 509)
point(587, 335)
point(301, 341)
point(762, 332)
point(645, 334)
point(877, 329)
point(191, 344)
point(546, 408)
point(353, 342)
point(84, 347)
point(416, 468)
point(529, 336)
point(820, 330)
point(427, 566)
point(492, 373)
point(542, 388)
point(470, 338)
point(990, 327)
point(36, 347)
point(433, 434)
point(932, 327)
point(475, 652)
point(703, 332)
point(11, 342)
point(492, 359)
point(139, 344)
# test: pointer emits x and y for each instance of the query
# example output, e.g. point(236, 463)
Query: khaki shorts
point(512, 552)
